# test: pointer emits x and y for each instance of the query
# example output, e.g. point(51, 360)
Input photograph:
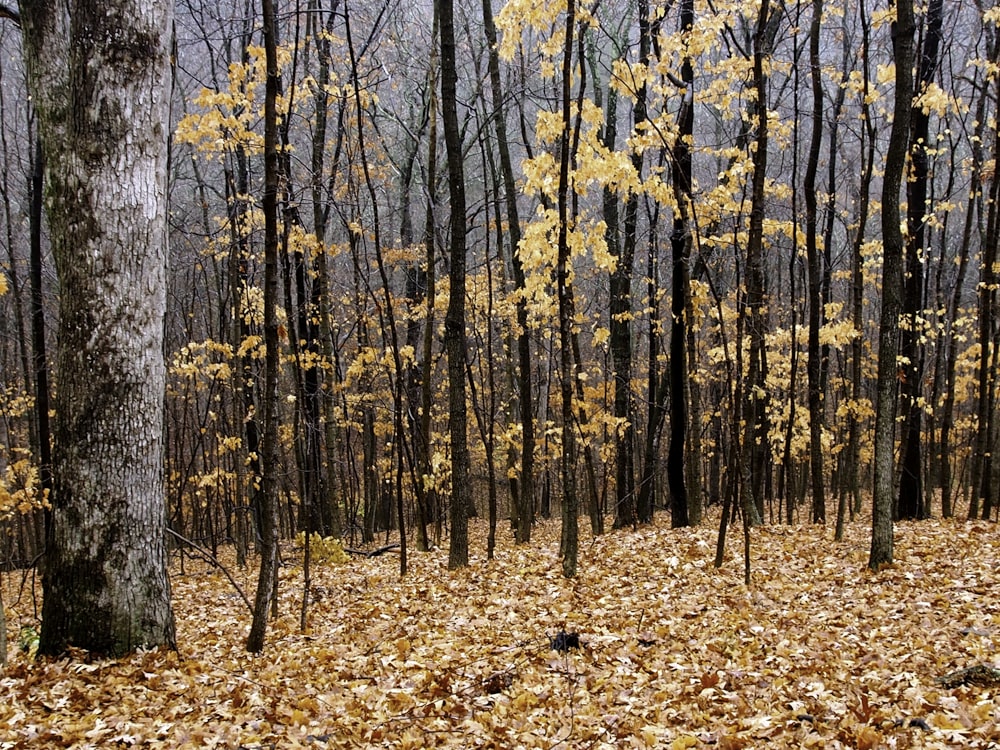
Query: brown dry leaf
point(674, 653)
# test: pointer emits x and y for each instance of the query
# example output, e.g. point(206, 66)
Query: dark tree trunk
point(620, 311)
point(815, 273)
point(954, 305)
point(911, 495)
point(321, 284)
point(680, 245)
point(39, 353)
point(525, 499)
point(754, 395)
point(982, 458)
point(881, 553)
point(267, 577)
point(564, 291)
point(454, 324)
point(857, 282)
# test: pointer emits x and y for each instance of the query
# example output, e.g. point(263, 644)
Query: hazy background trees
point(727, 288)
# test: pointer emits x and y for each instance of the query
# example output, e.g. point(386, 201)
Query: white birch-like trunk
point(99, 77)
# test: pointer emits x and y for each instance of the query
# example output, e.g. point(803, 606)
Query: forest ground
point(818, 652)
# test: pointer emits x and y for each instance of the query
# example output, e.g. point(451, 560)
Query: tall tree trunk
point(815, 271)
point(828, 240)
point(427, 347)
point(267, 577)
point(981, 457)
point(954, 305)
point(620, 311)
point(680, 246)
point(39, 354)
point(454, 325)
point(564, 292)
point(525, 497)
point(857, 279)
point(321, 284)
point(754, 394)
point(416, 303)
point(237, 199)
point(99, 77)
point(881, 553)
point(911, 501)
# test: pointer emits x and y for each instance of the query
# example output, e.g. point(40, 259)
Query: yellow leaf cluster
point(21, 489)
point(208, 360)
point(517, 17)
point(323, 549)
point(15, 403)
point(628, 78)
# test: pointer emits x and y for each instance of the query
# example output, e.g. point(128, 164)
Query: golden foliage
point(21, 489)
point(323, 549)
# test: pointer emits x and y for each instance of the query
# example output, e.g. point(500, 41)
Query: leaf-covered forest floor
point(674, 653)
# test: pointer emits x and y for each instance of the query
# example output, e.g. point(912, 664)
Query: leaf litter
point(667, 651)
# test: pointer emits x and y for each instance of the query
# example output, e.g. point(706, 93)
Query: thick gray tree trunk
point(99, 78)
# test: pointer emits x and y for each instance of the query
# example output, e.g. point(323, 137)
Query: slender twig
point(210, 558)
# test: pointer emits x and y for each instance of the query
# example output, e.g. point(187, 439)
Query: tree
point(454, 325)
point(524, 497)
point(911, 503)
point(892, 288)
point(564, 290)
point(755, 393)
point(680, 246)
point(857, 281)
point(814, 365)
point(982, 480)
point(620, 313)
point(99, 77)
point(268, 530)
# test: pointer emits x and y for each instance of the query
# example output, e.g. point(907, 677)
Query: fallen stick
point(209, 558)
point(371, 553)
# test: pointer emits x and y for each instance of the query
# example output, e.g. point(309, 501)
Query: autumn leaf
point(674, 652)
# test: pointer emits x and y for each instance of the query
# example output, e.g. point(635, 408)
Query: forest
point(442, 283)
point(720, 222)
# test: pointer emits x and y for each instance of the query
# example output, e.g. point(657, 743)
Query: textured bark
point(755, 394)
point(321, 285)
point(620, 310)
point(982, 481)
point(267, 577)
point(881, 553)
point(567, 374)
point(39, 356)
point(99, 78)
point(857, 281)
point(454, 324)
point(954, 305)
point(911, 488)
